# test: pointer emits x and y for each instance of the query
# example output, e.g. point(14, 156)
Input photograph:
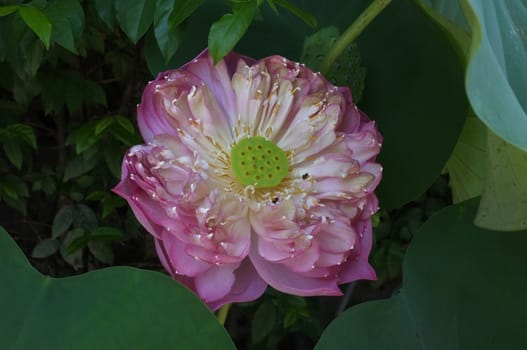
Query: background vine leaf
point(229, 29)
point(67, 18)
point(135, 17)
point(38, 22)
point(167, 34)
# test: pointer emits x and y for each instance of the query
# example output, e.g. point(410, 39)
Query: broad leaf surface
point(467, 165)
point(497, 72)
point(495, 80)
point(503, 204)
point(417, 99)
point(463, 288)
point(114, 308)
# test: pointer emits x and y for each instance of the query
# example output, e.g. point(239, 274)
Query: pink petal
point(282, 278)
point(359, 268)
point(350, 121)
point(151, 114)
point(364, 145)
point(218, 79)
point(305, 261)
point(182, 263)
point(271, 251)
point(215, 283)
point(276, 221)
point(142, 206)
point(248, 286)
point(353, 186)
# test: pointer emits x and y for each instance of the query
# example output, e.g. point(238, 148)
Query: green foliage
point(347, 70)
point(167, 33)
point(7, 10)
point(495, 80)
point(68, 89)
point(305, 16)
point(135, 17)
point(503, 204)
point(450, 299)
point(67, 18)
point(263, 322)
point(496, 57)
point(45, 248)
point(276, 316)
point(467, 164)
point(182, 10)
point(38, 22)
point(15, 139)
point(229, 29)
point(124, 307)
point(405, 94)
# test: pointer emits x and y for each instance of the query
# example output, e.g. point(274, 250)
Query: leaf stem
point(352, 33)
point(222, 314)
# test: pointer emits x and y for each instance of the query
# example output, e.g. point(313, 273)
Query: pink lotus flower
point(254, 173)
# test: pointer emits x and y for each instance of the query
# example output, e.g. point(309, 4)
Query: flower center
point(258, 162)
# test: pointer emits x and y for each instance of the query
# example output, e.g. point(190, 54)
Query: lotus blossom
point(254, 173)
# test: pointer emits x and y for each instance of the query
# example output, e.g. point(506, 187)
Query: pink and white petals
point(284, 279)
point(226, 239)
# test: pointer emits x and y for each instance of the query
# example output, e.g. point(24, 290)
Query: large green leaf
point(503, 205)
point(497, 72)
point(495, 80)
point(448, 15)
point(467, 164)
point(414, 90)
point(114, 308)
point(463, 288)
